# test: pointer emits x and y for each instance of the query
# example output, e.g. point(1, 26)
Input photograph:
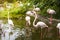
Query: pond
point(21, 32)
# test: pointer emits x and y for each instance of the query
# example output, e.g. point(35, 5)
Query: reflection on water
point(7, 32)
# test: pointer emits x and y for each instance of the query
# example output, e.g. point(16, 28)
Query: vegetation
point(16, 11)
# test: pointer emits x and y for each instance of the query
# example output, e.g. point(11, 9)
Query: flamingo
point(27, 18)
point(30, 13)
point(39, 24)
point(58, 26)
point(9, 26)
point(33, 13)
point(10, 22)
point(36, 9)
point(51, 12)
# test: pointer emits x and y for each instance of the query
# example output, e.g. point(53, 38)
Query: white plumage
point(58, 25)
point(41, 24)
point(33, 13)
point(30, 13)
point(27, 18)
point(10, 22)
point(36, 9)
point(50, 11)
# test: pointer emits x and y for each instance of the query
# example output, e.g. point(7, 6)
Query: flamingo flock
point(40, 23)
point(32, 13)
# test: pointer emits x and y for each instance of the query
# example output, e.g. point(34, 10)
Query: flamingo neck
point(35, 20)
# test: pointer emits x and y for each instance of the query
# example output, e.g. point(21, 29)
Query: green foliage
point(17, 11)
point(45, 4)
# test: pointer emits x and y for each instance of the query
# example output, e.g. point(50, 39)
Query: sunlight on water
point(9, 33)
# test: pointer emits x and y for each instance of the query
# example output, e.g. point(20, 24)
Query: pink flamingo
point(51, 12)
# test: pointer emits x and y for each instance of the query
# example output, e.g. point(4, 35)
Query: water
point(19, 32)
point(7, 32)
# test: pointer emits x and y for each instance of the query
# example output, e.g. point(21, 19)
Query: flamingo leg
point(41, 34)
point(50, 19)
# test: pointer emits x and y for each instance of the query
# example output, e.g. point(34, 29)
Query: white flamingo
point(33, 13)
point(36, 9)
point(9, 20)
point(58, 26)
point(7, 27)
point(51, 12)
point(30, 13)
point(27, 18)
point(40, 24)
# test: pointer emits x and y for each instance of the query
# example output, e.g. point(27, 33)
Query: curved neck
point(35, 20)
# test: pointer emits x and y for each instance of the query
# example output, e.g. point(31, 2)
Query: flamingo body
point(36, 9)
point(27, 18)
point(31, 13)
point(10, 22)
point(58, 25)
point(41, 24)
point(50, 11)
